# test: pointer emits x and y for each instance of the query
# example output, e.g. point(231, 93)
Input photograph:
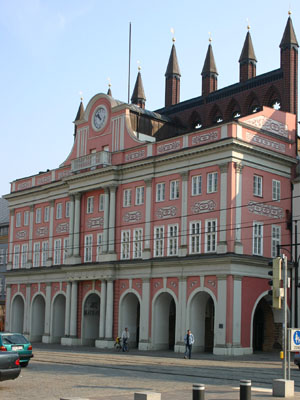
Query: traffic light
point(277, 291)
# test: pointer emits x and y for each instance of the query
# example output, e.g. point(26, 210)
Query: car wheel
point(24, 364)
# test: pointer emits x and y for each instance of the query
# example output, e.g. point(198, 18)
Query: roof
point(248, 50)
point(209, 63)
point(173, 67)
point(4, 211)
point(289, 36)
point(138, 91)
point(80, 112)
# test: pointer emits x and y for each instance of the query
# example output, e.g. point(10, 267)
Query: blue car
point(19, 343)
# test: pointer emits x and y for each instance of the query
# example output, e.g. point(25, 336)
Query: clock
point(100, 117)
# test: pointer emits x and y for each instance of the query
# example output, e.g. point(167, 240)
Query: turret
point(247, 60)
point(138, 95)
point(172, 92)
point(79, 115)
point(209, 73)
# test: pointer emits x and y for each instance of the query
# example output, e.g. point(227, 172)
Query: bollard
point(245, 390)
point(198, 391)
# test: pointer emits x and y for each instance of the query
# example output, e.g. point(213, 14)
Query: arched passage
point(91, 317)
point(37, 318)
point(201, 317)
point(164, 322)
point(58, 318)
point(130, 317)
point(17, 314)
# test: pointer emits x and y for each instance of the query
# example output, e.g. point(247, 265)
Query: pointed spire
point(173, 67)
point(138, 95)
point(109, 90)
point(80, 112)
point(172, 87)
point(247, 53)
point(209, 66)
point(289, 37)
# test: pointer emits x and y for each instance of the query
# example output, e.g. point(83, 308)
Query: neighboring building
point(162, 221)
point(4, 223)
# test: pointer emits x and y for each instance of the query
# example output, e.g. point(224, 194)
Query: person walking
point(125, 337)
point(188, 340)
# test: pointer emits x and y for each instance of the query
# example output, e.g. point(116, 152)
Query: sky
point(55, 51)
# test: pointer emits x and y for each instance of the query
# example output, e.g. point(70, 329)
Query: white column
point(102, 310)
point(112, 219)
point(220, 317)
point(51, 223)
point(26, 325)
point(46, 336)
point(8, 308)
point(106, 220)
point(181, 313)
point(222, 226)
point(147, 235)
point(31, 220)
point(11, 239)
point(184, 201)
point(238, 246)
point(73, 313)
point(109, 310)
point(71, 226)
point(68, 309)
point(76, 249)
point(237, 311)
point(144, 316)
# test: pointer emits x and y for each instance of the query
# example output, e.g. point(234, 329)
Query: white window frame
point(275, 190)
point(159, 241)
point(57, 252)
point(67, 209)
point(24, 255)
point(174, 189)
point(26, 218)
point(196, 185)
point(38, 215)
point(160, 191)
point(258, 231)
point(211, 235)
point(127, 196)
point(195, 237)
point(36, 254)
point(16, 258)
point(101, 202)
point(88, 248)
point(137, 243)
point(46, 214)
point(45, 253)
point(173, 240)
point(59, 211)
point(18, 219)
point(139, 195)
point(66, 249)
point(90, 205)
point(99, 246)
point(125, 245)
point(257, 185)
point(212, 182)
point(276, 239)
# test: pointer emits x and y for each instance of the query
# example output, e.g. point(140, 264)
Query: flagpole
point(129, 59)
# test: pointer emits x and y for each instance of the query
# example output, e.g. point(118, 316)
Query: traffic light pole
point(284, 331)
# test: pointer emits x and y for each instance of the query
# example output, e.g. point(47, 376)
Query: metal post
point(245, 390)
point(296, 276)
point(284, 259)
point(198, 391)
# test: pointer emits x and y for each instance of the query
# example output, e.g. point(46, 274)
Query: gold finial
point(173, 33)
point(109, 84)
point(81, 95)
point(139, 65)
point(248, 24)
point(290, 12)
point(209, 37)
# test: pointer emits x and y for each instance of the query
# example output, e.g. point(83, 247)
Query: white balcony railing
point(91, 161)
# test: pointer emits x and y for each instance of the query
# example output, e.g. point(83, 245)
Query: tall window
point(160, 191)
point(137, 243)
point(139, 195)
point(125, 245)
point(16, 259)
point(26, 218)
point(257, 185)
point(46, 214)
point(101, 202)
point(18, 219)
point(99, 246)
point(276, 235)
point(212, 182)
point(174, 190)
point(45, 249)
point(36, 254)
point(38, 215)
point(24, 255)
point(2, 255)
point(88, 248)
point(159, 232)
point(68, 205)
point(196, 185)
point(172, 240)
point(66, 249)
point(210, 235)
point(58, 210)
point(127, 198)
point(57, 251)
point(195, 237)
point(257, 238)
point(90, 205)
point(275, 190)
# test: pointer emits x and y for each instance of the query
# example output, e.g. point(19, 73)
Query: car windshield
point(14, 339)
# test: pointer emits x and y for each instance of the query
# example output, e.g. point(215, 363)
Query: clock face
point(100, 117)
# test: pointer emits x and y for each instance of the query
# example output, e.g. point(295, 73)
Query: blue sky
point(52, 50)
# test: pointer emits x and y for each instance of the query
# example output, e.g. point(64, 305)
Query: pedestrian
point(188, 340)
point(125, 337)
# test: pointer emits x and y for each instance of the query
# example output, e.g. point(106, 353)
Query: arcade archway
point(130, 317)
point(164, 322)
point(17, 314)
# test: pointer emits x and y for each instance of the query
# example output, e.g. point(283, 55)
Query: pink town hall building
point(163, 220)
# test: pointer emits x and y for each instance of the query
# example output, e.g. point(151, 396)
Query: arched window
point(276, 104)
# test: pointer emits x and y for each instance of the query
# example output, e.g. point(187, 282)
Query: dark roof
point(289, 36)
point(4, 211)
point(173, 67)
point(80, 112)
point(209, 63)
point(109, 92)
point(248, 50)
point(150, 114)
point(138, 91)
